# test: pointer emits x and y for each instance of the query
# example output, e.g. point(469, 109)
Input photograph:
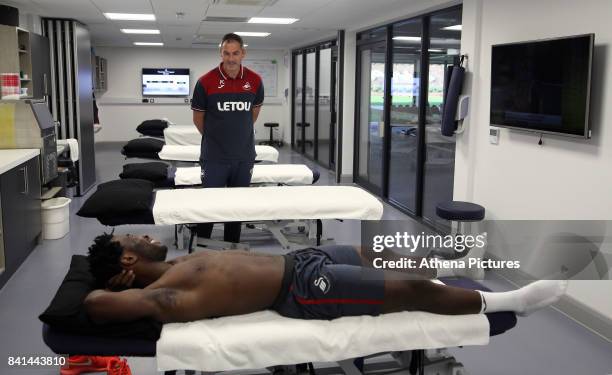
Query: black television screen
point(543, 86)
point(165, 82)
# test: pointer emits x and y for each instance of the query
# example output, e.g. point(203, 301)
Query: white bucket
point(55, 218)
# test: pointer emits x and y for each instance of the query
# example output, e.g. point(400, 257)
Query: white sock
point(525, 300)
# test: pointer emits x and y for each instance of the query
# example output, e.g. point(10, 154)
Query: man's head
point(232, 52)
point(109, 255)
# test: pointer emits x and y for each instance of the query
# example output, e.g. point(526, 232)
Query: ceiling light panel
point(273, 21)
point(140, 31)
point(130, 17)
point(252, 33)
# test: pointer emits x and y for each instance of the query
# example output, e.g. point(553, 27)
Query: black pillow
point(153, 128)
point(138, 217)
point(119, 198)
point(154, 171)
point(143, 147)
point(66, 311)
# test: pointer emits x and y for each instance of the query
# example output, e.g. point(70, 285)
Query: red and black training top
point(228, 122)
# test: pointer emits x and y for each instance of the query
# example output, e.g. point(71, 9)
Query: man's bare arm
point(132, 304)
point(198, 120)
point(202, 253)
point(256, 113)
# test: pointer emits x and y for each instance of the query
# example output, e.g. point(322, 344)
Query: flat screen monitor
point(543, 86)
point(165, 82)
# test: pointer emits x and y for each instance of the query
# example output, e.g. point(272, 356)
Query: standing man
point(226, 102)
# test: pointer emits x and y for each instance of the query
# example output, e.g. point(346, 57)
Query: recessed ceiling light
point(244, 45)
point(249, 33)
point(435, 50)
point(455, 28)
point(140, 31)
point(408, 38)
point(130, 16)
point(148, 44)
point(276, 21)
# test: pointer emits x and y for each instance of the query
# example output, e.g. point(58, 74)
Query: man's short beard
point(160, 254)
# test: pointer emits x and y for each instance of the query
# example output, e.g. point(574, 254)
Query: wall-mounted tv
point(543, 86)
point(165, 82)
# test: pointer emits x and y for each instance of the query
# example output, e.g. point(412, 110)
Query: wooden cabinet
point(25, 60)
point(28, 55)
point(21, 215)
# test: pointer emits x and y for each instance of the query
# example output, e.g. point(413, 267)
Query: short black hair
point(231, 37)
point(104, 257)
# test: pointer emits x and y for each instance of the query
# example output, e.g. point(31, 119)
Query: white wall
point(517, 179)
point(120, 106)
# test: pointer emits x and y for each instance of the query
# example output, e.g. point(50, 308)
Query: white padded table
point(289, 174)
point(182, 135)
point(185, 206)
point(265, 338)
point(192, 153)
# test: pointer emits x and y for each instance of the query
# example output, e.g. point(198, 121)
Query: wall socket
point(494, 136)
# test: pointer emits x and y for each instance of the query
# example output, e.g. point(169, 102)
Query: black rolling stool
point(464, 213)
point(270, 142)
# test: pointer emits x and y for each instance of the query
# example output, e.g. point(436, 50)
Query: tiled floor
point(545, 343)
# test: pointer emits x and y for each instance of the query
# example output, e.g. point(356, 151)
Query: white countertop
point(13, 157)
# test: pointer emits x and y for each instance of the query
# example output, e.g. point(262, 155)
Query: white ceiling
point(318, 19)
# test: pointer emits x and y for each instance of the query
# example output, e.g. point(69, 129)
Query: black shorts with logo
point(328, 282)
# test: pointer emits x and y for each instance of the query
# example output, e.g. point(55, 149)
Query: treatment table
point(265, 339)
point(274, 207)
point(164, 175)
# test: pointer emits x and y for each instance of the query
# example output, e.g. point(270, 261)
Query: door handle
point(25, 180)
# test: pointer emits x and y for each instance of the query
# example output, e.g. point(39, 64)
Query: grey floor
point(545, 343)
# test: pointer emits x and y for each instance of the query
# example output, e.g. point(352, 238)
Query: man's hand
point(121, 281)
point(198, 120)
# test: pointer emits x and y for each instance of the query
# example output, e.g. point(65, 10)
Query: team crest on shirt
point(323, 283)
point(247, 86)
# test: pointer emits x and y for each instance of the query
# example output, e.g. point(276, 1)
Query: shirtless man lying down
point(315, 283)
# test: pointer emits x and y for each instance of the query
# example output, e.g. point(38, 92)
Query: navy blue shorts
point(329, 282)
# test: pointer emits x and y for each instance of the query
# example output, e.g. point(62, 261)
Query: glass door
point(325, 110)
point(309, 109)
point(298, 115)
point(439, 165)
point(371, 126)
point(404, 114)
